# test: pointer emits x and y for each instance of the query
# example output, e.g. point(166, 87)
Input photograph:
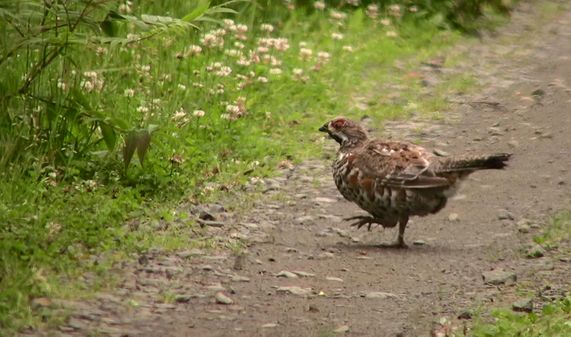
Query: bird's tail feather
point(474, 162)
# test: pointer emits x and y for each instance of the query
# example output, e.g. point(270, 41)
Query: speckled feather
point(391, 179)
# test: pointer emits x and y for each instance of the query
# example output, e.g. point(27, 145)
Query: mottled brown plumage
point(393, 180)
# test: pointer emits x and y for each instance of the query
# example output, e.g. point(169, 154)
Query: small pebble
point(223, 299)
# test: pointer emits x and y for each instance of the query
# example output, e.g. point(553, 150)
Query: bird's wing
point(398, 164)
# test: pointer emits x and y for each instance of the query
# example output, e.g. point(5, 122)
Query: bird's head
point(345, 132)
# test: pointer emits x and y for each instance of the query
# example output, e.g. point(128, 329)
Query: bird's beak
point(324, 128)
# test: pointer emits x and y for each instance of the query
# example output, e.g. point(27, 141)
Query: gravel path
point(307, 273)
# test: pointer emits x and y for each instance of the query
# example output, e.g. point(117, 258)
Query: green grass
point(556, 231)
point(555, 317)
point(554, 320)
point(68, 205)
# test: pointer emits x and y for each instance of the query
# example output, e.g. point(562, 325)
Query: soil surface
point(306, 272)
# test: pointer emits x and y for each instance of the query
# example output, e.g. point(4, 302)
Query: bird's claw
point(363, 220)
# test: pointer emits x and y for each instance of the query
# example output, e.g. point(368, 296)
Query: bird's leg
point(362, 221)
point(402, 226)
point(400, 239)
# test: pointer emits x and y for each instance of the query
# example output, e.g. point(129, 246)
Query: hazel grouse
point(394, 180)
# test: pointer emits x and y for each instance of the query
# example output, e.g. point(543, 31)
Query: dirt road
point(307, 273)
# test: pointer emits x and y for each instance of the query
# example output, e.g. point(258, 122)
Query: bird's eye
point(338, 124)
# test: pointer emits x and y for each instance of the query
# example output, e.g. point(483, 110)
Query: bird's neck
point(349, 145)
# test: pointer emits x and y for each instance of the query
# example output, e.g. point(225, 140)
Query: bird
point(395, 180)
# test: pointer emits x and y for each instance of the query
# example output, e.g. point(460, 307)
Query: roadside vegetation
point(554, 317)
point(113, 113)
point(553, 320)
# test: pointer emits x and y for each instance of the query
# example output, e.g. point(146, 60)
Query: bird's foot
point(362, 221)
point(395, 245)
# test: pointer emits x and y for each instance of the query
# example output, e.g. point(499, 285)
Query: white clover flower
point(323, 56)
point(129, 93)
point(372, 11)
point(228, 22)
point(61, 84)
point(266, 27)
point(142, 109)
point(90, 74)
point(232, 109)
point(386, 22)
point(132, 37)
point(297, 71)
point(395, 10)
point(243, 61)
point(100, 51)
point(198, 113)
point(336, 15)
point(179, 114)
point(302, 44)
point(212, 40)
point(87, 86)
point(239, 45)
point(354, 2)
point(281, 44)
point(254, 58)
point(125, 8)
point(194, 50)
point(223, 71)
point(305, 53)
point(242, 29)
point(262, 49)
point(181, 86)
point(275, 71)
point(348, 48)
point(226, 116)
point(262, 79)
point(220, 32)
point(413, 9)
point(233, 52)
point(392, 33)
point(319, 5)
point(337, 36)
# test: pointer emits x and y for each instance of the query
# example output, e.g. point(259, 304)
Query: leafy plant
point(554, 320)
point(557, 230)
point(207, 111)
point(67, 124)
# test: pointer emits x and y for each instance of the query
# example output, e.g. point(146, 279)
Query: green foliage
point(554, 320)
point(48, 109)
point(466, 15)
point(87, 84)
point(557, 230)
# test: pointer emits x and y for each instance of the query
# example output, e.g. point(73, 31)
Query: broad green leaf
point(109, 135)
point(129, 148)
point(221, 10)
point(108, 27)
point(80, 99)
point(152, 128)
point(200, 10)
point(143, 142)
